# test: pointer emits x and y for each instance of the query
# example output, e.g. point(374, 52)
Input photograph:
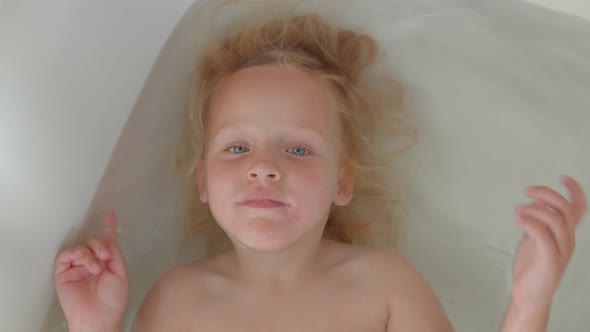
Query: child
point(281, 146)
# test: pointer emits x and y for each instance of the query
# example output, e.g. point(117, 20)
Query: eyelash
point(309, 151)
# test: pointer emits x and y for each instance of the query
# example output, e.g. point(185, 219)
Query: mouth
point(263, 203)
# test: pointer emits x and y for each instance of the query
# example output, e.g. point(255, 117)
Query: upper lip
point(261, 196)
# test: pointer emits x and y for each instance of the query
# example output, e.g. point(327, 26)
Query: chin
point(263, 248)
point(263, 245)
point(264, 233)
point(262, 241)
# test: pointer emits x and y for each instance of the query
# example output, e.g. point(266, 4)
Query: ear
point(345, 186)
point(201, 182)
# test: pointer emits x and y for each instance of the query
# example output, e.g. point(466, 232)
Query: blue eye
point(300, 150)
point(237, 145)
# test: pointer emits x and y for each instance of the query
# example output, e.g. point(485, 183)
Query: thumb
point(116, 262)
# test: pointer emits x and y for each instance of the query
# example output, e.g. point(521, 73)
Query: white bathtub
point(89, 106)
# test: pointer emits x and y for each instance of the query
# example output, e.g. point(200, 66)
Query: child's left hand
point(547, 245)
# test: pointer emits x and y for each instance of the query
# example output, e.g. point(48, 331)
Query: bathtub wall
point(575, 7)
point(70, 74)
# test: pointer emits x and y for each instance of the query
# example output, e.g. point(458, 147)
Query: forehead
point(274, 96)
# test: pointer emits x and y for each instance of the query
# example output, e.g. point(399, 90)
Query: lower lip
point(263, 204)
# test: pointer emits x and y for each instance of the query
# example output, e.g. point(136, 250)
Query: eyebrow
point(309, 132)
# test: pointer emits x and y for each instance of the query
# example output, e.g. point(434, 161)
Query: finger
point(74, 274)
point(64, 259)
point(116, 263)
point(110, 226)
point(571, 231)
point(109, 255)
point(87, 260)
point(555, 201)
point(544, 241)
point(556, 225)
point(99, 248)
point(577, 197)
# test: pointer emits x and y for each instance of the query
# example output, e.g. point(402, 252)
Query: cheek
point(219, 180)
point(317, 196)
point(219, 192)
point(315, 188)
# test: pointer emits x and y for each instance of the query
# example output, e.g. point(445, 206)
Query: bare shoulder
point(167, 305)
point(413, 304)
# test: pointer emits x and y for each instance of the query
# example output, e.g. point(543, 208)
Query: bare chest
point(350, 293)
point(328, 309)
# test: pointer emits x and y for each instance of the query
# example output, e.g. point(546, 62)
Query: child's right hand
point(91, 281)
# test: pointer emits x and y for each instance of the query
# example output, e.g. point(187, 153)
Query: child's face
point(273, 131)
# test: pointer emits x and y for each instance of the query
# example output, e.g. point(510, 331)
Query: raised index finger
point(577, 197)
point(110, 226)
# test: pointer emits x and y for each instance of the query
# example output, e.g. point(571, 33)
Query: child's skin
point(281, 275)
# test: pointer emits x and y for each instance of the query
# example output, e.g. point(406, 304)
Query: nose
point(264, 171)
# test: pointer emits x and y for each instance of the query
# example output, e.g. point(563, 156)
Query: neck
point(282, 270)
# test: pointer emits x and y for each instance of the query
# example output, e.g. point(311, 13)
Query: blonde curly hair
point(370, 109)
